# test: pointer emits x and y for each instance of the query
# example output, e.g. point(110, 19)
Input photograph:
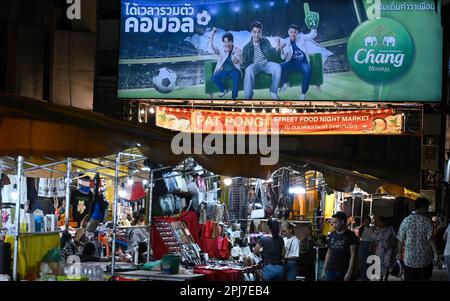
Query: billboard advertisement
point(347, 50)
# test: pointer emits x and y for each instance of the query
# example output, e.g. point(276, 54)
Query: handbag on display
point(222, 247)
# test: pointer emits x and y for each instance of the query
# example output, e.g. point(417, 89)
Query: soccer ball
point(165, 81)
point(203, 18)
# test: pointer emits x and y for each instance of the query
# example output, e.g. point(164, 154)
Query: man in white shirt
point(228, 64)
point(295, 53)
point(296, 58)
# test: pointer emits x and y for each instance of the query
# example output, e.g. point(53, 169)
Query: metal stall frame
point(68, 175)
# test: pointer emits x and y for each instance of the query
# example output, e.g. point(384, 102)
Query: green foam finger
point(306, 8)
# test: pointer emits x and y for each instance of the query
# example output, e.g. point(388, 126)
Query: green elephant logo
point(380, 50)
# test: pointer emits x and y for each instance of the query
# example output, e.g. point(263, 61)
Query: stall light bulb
point(294, 111)
point(274, 110)
point(152, 110)
point(253, 111)
point(297, 190)
point(130, 181)
point(122, 193)
point(142, 112)
point(243, 110)
point(263, 111)
point(227, 181)
point(145, 182)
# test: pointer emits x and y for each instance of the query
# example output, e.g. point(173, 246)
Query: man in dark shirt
point(342, 245)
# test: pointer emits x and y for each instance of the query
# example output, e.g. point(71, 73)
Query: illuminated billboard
point(349, 50)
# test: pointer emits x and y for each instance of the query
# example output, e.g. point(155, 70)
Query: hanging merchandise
point(12, 189)
point(258, 209)
point(32, 194)
point(201, 184)
point(167, 204)
point(284, 200)
point(238, 200)
point(224, 192)
point(203, 218)
point(192, 188)
point(135, 190)
point(98, 206)
point(49, 188)
point(5, 180)
point(80, 201)
point(223, 250)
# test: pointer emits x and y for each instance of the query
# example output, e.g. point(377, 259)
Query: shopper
point(415, 236)
point(366, 237)
point(273, 249)
point(292, 247)
point(384, 246)
point(342, 248)
point(447, 250)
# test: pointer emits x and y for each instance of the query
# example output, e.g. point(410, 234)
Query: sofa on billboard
point(263, 80)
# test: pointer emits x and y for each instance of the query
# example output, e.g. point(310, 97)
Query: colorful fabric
point(32, 250)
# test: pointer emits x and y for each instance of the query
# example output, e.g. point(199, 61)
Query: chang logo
point(380, 50)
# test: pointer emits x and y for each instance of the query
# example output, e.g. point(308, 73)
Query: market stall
point(231, 212)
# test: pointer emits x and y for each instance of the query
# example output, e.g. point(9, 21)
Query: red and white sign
point(367, 122)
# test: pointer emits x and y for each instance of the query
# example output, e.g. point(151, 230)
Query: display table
point(188, 217)
point(160, 276)
point(219, 275)
point(32, 249)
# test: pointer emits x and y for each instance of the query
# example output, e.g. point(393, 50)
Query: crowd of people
point(411, 253)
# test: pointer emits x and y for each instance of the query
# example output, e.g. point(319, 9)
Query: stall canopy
point(45, 132)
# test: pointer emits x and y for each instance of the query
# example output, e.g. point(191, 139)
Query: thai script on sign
point(159, 18)
point(405, 6)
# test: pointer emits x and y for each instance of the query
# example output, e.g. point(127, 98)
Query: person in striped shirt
point(259, 56)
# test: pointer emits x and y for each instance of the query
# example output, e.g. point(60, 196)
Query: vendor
point(292, 247)
point(273, 248)
point(138, 237)
point(89, 253)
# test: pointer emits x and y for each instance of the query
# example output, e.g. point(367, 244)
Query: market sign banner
point(346, 50)
point(369, 122)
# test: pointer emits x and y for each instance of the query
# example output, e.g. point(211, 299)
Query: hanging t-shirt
point(80, 204)
point(339, 248)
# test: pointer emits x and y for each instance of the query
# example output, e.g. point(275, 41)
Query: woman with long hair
point(366, 236)
point(272, 247)
point(292, 247)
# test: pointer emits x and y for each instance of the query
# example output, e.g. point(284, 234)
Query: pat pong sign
point(367, 122)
